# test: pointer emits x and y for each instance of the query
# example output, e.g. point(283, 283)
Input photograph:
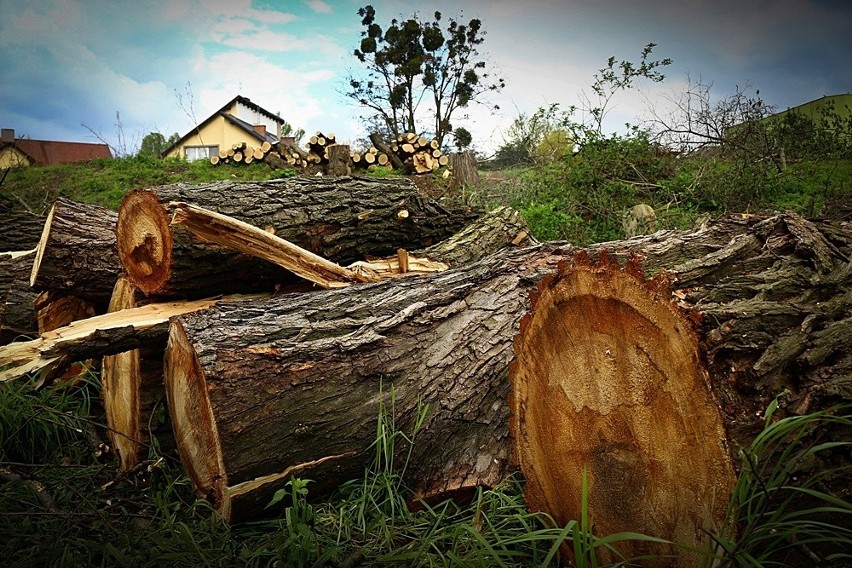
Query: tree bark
point(338, 161)
point(256, 399)
point(76, 254)
point(19, 231)
point(341, 219)
point(464, 170)
point(646, 387)
point(17, 310)
point(501, 227)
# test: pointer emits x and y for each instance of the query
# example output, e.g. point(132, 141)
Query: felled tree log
point(291, 386)
point(76, 254)
point(308, 375)
point(17, 310)
point(19, 231)
point(648, 386)
point(341, 219)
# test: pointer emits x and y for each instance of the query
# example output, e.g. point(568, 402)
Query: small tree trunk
point(383, 147)
point(76, 254)
point(338, 161)
point(341, 219)
point(464, 170)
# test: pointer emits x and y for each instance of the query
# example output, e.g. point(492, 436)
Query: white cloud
point(275, 88)
point(266, 40)
point(319, 6)
point(244, 9)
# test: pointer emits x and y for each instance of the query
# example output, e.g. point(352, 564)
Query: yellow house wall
point(218, 132)
point(12, 157)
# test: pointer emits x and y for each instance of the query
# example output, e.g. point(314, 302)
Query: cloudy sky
point(68, 66)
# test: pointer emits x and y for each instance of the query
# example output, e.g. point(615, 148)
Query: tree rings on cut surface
point(144, 240)
point(608, 380)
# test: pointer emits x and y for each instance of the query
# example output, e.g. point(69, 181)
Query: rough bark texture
point(17, 311)
point(464, 170)
point(293, 385)
point(651, 385)
point(19, 231)
point(260, 391)
point(338, 161)
point(499, 228)
point(341, 219)
point(76, 254)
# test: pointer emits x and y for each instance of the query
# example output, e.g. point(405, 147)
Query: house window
point(200, 152)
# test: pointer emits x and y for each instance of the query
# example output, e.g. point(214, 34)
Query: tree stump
point(338, 161)
point(463, 165)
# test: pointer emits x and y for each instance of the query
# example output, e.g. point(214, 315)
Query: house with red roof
point(15, 152)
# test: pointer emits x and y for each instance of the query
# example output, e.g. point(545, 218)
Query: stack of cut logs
point(275, 319)
point(415, 154)
point(242, 153)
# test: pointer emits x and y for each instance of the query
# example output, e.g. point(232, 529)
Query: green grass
point(105, 181)
point(97, 516)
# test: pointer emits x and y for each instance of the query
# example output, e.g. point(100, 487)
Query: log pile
point(157, 234)
point(637, 365)
point(410, 153)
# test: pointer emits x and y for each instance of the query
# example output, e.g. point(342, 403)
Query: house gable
point(240, 120)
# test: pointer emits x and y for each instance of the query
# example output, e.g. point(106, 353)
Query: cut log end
point(121, 383)
point(144, 240)
point(191, 414)
point(608, 383)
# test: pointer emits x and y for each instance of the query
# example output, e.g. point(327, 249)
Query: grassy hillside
point(104, 182)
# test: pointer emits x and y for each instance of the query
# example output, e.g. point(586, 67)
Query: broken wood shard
point(106, 334)
point(248, 239)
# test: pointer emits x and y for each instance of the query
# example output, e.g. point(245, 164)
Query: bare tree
point(123, 146)
point(732, 124)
